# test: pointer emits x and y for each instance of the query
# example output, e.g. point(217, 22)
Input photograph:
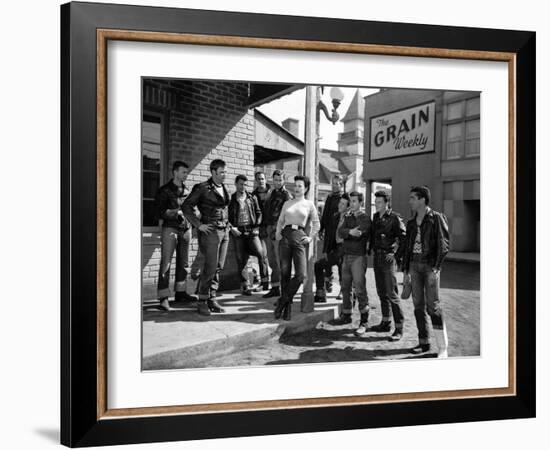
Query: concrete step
point(182, 338)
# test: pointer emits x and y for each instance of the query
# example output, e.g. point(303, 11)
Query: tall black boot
point(287, 313)
point(280, 308)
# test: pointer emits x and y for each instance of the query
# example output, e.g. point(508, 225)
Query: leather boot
point(383, 327)
point(280, 308)
point(287, 313)
point(274, 292)
point(203, 309)
point(214, 306)
point(185, 297)
point(320, 299)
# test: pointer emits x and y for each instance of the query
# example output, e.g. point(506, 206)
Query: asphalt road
point(460, 297)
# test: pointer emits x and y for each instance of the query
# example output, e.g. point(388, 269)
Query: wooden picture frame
point(86, 419)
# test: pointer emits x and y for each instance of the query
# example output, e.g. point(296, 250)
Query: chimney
point(292, 126)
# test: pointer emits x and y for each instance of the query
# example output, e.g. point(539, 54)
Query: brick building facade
point(195, 122)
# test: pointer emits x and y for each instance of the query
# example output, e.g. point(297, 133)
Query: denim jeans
point(323, 269)
point(173, 239)
point(214, 248)
point(354, 269)
point(273, 256)
point(244, 247)
point(386, 287)
point(292, 249)
point(425, 294)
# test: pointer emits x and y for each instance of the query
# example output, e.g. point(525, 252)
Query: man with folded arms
point(245, 217)
point(212, 200)
point(355, 231)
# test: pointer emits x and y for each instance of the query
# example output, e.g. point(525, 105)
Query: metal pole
point(310, 170)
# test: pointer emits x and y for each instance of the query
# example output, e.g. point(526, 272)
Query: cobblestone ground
point(326, 343)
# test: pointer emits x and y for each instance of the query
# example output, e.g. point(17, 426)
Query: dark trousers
point(214, 248)
point(292, 249)
point(273, 256)
point(386, 287)
point(245, 246)
point(425, 294)
point(323, 269)
point(354, 269)
point(173, 239)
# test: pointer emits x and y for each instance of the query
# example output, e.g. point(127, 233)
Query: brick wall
point(204, 120)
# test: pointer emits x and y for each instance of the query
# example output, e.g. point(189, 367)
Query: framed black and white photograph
point(280, 224)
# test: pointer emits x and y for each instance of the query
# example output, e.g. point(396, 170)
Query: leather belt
point(295, 227)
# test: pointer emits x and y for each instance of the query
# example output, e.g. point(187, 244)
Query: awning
point(264, 155)
point(272, 142)
point(261, 93)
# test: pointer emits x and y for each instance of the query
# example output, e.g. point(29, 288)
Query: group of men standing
point(348, 234)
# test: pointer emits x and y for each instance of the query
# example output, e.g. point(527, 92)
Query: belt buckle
point(295, 227)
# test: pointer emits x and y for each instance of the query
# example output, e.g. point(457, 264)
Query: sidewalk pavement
point(182, 338)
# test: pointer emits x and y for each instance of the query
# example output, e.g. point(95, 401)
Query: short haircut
point(278, 172)
point(178, 164)
point(258, 173)
point(422, 192)
point(383, 194)
point(345, 197)
point(305, 179)
point(357, 194)
point(216, 164)
point(240, 177)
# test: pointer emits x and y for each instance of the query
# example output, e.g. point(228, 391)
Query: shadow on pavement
point(325, 337)
point(346, 355)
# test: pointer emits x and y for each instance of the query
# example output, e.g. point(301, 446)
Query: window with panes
point(461, 128)
point(152, 154)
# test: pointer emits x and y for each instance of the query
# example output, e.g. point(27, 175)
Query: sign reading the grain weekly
point(404, 132)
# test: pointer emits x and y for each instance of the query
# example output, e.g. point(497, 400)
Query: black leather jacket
point(435, 238)
point(261, 196)
point(386, 231)
point(168, 206)
point(253, 210)
point(274, 204)
point(329, 241)
point(212, 206)
point(353, 245)
point(330, 208)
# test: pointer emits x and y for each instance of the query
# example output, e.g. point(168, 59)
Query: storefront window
point(454, 140)
point(472, 106)
point(461, 128)
point(151, 149)
point(454, 110)
point(472, 137)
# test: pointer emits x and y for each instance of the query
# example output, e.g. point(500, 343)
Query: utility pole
point(310, 170)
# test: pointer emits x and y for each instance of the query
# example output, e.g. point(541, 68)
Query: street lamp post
point(314, 105)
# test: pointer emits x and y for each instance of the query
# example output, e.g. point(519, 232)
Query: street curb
point(198, 355)
point(192, 356)
point(310, 321)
